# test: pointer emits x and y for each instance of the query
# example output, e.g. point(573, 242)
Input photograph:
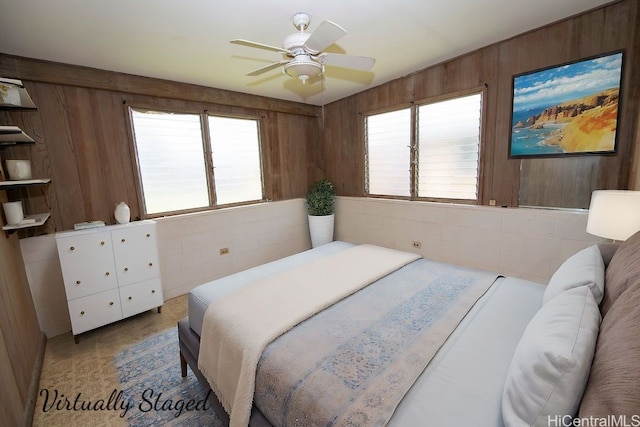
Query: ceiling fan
point(304, 56)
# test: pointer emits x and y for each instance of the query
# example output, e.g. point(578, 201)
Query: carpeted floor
point(126, 373)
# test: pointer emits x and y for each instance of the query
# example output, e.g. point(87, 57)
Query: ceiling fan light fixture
point(303, 67)
point(304, 56)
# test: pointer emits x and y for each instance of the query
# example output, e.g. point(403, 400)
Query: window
point(170, 160)
point(449, 148)
point(171, 153)
point(441, 159)
point(235, 152)
point(389, 153)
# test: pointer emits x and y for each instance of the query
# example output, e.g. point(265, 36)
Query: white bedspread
point(237, 327)
point(202, 296)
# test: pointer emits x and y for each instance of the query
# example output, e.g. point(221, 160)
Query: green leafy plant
point(320, 198)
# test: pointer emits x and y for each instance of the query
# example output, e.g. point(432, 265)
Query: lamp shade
point(614, 214)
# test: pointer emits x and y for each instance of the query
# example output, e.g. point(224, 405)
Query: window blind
point(388, 153)
point(235, 151)
point(171, 160)
point(448, 148)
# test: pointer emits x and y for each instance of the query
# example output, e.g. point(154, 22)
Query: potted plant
point(320, 209)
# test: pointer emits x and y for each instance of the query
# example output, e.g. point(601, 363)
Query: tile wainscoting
point(189, 247)
point(520, 242)
point(527, 243)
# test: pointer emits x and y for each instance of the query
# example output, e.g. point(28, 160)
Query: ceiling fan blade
point(267, 68)
point(259, 45)
point(348, 61)
point(326, 34)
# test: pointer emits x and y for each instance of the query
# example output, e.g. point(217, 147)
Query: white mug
point(19, 169)
point(13, 212)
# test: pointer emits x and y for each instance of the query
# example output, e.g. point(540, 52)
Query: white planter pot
point(321, 229)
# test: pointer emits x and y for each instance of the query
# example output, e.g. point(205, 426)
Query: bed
point(468, 343)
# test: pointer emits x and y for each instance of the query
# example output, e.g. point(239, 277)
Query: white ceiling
point(188, 40)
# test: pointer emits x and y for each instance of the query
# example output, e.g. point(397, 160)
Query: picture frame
point(567, 110)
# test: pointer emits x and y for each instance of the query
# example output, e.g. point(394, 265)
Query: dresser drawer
point(141, 297)
point(87, 264)
point(136, 254)
point(94, 311)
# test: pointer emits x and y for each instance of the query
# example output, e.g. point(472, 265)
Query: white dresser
point(109, 273)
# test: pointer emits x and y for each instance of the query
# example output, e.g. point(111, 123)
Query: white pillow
point(551, 364)
point(583, 268)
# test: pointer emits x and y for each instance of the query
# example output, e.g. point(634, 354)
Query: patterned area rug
point(153, 390)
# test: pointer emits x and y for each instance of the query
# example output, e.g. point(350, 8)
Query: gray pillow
point(623, 271)
point(614, 381)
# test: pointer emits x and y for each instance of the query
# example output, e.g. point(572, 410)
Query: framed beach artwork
point(570, 109)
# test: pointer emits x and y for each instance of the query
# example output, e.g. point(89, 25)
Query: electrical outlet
point(224, 251)
point(492, 202)
point(417, 245)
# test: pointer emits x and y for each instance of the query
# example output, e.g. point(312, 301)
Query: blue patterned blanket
point(352, 363)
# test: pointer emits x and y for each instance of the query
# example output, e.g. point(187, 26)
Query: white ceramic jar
point(13, 212)
point(122, 213)
point(18, 169)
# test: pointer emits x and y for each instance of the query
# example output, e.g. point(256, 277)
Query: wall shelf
point(13, 135)
point(34, 220)
point(11, 185)
point(14, 95)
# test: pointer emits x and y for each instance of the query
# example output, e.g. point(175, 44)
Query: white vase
point(122, 213)
point(321, 229)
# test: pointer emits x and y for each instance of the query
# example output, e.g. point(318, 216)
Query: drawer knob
point(130, 298)
point(77, 282)
point(122, 240)
point(102, 243)
point(126, 269)
point(110, 302)
point(153, 291)
point(72, 248)
point(148, 235)
point(82, 313)
point(150, 264)
point(106, 274)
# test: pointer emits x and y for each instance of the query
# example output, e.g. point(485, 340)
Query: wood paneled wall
point(541, 182)
point(84, 141)
point(84, 145)
point(21, 342)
